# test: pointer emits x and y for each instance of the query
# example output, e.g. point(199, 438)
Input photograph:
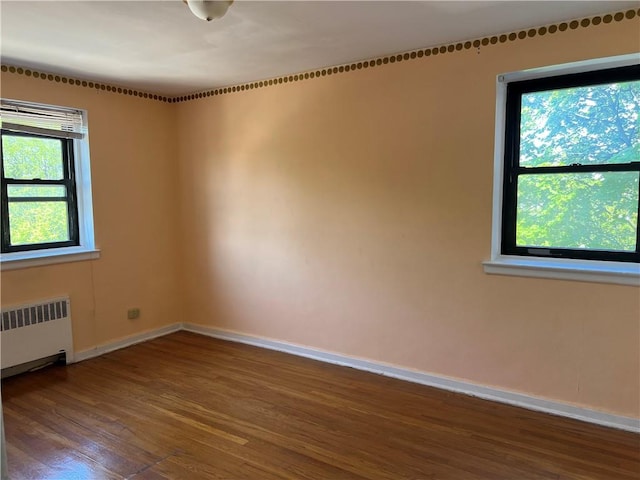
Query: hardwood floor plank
point(185, 406)
point(57, 454)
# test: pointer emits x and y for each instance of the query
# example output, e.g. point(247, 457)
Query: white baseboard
point(454, 385)
point(126, 342)
point(445, 383)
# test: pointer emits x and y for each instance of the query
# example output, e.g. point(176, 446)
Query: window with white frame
point(46, 183)
point(568, 167)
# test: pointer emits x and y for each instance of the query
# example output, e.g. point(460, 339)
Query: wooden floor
point(189, 407)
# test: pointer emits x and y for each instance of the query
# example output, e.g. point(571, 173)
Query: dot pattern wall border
point(396, 58)
point(421, 53)
point(52, 77)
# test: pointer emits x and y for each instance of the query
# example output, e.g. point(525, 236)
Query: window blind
point(42, 120)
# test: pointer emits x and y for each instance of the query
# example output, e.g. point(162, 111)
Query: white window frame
point(86, 250)
point(624, 273)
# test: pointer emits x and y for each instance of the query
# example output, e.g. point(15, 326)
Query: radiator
point(33, 332)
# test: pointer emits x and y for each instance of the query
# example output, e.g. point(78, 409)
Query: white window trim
point(87, 249)
point(51, 256)
point(565, 269)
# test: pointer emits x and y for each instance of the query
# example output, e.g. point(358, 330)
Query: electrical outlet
point(133, 313)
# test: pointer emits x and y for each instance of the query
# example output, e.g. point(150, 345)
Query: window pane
point(587, 125)
point(36, 191)
point(29, 157)
point(38, 222)
point(578, 210)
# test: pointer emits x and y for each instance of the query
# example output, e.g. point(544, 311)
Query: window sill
point(38, 258)
point(566, 269)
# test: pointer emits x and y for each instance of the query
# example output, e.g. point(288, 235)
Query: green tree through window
point(572, 166)
point(37, 191)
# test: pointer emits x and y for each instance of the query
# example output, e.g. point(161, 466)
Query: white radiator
point(35, 331)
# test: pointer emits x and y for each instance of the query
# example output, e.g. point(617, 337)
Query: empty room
point(321, 240)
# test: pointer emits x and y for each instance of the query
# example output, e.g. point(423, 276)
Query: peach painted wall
point(133, 163)
point(352, 213)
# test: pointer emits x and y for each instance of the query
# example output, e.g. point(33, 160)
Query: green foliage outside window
point(588, 126)
point(28, 158)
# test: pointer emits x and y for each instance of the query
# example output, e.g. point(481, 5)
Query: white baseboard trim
point(126, 342)
point(454, 385)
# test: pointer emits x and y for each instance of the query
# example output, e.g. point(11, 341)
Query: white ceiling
point(160, 47)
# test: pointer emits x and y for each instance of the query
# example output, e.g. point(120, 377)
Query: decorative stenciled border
point(396, 58)
point(53, 77)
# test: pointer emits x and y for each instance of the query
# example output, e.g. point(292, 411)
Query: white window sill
point(621, 273)
point(38, 258)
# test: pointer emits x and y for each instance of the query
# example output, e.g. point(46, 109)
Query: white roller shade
point(42, 120)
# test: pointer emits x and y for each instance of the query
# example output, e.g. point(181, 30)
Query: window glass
point(28, 191)
point(32, 157)
point(38, 222)
point(597, 210)
point(584, 125)
point(38, 176)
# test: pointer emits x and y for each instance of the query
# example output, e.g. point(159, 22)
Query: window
point(568, 168)
point(38, 192)
point(45, 191)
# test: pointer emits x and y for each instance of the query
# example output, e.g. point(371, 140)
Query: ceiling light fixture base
point(208, 9)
